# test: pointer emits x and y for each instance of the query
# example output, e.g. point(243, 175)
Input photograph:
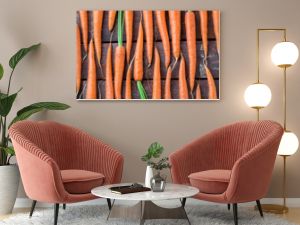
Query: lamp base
point(276, 209)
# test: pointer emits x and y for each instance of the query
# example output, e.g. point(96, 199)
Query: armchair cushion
point(81, 181)
point(211, 181)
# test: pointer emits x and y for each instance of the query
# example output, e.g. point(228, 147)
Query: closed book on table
point(128, 189)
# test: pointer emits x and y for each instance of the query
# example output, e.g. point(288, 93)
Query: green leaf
point(16, 58)
point(2, 95)
point(9, 150)
point(27, 111)
point(1, 71)
point(155, 150)
point(141, 90)
point(6, 103)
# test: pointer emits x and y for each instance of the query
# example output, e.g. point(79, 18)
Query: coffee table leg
point(153, 211)
point(142, 221)
point(110, 209)
point(186, 216)
point(130, 212)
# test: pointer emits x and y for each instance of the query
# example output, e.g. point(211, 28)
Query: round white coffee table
point(145, 209)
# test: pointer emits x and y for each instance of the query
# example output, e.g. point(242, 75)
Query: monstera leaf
point(16, 58)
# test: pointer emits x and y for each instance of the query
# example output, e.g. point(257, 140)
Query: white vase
point(148, 176)
point(9, 183)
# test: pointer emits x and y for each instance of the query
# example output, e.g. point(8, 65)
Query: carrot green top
point(120, 27)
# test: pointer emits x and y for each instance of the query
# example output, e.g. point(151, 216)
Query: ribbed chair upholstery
point(232, 164)
point(50, 154)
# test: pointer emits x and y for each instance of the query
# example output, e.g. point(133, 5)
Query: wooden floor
point(293, 215)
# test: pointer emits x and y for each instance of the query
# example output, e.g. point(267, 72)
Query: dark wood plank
point(148, 87)
point(213, 61)
point(137, 16)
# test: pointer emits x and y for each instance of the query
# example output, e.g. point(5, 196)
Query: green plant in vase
point(9, 174)
point(157, 182)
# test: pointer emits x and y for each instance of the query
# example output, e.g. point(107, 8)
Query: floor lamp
point(284, 54)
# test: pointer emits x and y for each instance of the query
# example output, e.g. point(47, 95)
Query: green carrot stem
point(120, 27)
point(141, 89)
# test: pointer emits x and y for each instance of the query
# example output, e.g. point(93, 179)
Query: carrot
point(163, 30)
point(83, 14)
point(156, 89)
point(119, 70)
point(198, 91)
point(128, 94)
point(175, 24)
point(168, 84)
point(128, 29)
point(91, 87)
point(119, 58)
point(78, 59)
point(203, 18)
point(138, 59)
point(216, 20)
point(109, 89)
point(111, 19)
point(212, 91)
point(148, 25)
point(97, 22)
point(190, 28)
point(183, 90)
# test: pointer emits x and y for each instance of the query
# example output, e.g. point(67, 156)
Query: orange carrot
point(216, 20)
point(78, 59)
point(109, 88)
point(168, 94)
point(111, 19)
point(190, 28)
point(128, 94)
point(175, 24)
point(212, 91)
point(203, 20)
point(163, 30)
point(83, 14)
point(119, 70)
point(198, 92)
point(156, 90)
point(128, 29)
point(91, 87)
point(97, 21)
point(148, 25)
point(138, 58)
point(119, 58)
point(183, 90)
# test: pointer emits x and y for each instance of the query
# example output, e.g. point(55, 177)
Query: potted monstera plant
point(9, 173)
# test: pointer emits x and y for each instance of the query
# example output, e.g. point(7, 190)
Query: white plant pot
point(9, 183)
point(148, 176)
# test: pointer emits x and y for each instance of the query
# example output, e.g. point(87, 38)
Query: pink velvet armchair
point(60, 164)
point(230, 165)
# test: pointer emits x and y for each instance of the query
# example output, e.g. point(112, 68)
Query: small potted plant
point(156, 182)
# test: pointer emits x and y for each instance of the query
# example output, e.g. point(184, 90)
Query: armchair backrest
point(56, 140)
point(235, 140)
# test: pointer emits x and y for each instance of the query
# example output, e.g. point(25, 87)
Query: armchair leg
point(108, 203)
point(235, 213)
point(183, 202)
point(32, 208)
point(56, 209)
point(259, 208)
point(64, 206)
point(228, 206)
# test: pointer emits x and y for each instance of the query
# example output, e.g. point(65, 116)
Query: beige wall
point(48, 74)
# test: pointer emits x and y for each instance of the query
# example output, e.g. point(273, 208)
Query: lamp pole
point(270, 207)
